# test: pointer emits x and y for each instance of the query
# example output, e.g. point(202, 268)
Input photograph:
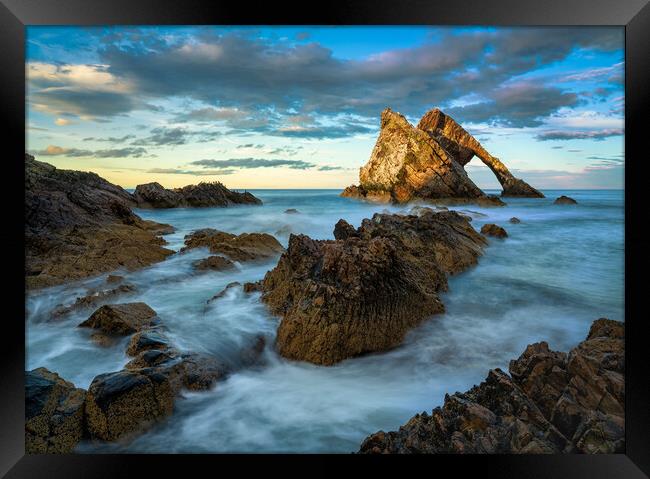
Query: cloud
point(178, 171)
point(163, 136)
point(253, 84)
point(254, 163)
point(111, 139)
point(578, 135)
point(53, 150)
point(62, 122)
point(330, 168)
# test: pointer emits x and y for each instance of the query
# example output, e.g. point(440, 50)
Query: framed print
point(257, 236)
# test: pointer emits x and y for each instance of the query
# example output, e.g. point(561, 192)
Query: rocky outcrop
point(154, 195)
point(490, 229)
point(565, 200)
point(122, 319)
point(78, 224)
point(243, 247)
point(362, 293)
point(427, 162)
point(462, 146)
point(54, 413)
point(552, 402)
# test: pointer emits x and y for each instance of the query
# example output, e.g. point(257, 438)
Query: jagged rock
point(154, 195)
point(553, 403)
point(146, 340)
point(243, 247)
point(127, 402)
point(215, 263)
point(92, 300)
point(347, 297)
point(344, 230)
point(78, 224)
point(515, 220)
point(122, 319)
point(252, 287)
point(224, 291)
point(54, 411)
point(490, 229)
point(427, 163)
point(565, 200)
point(462, 146)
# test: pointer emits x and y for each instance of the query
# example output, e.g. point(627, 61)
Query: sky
point(299, 107)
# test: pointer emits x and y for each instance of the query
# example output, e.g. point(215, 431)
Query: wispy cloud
point(247, 163)
point(578, 135)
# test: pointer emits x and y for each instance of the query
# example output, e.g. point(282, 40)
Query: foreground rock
point(54, 412)
point(243, 247)
point(565, 200)
point(78, 224)
point(122, 319)
point(490, 229)
point(362, 292)
point(553, 402)
point(125, 402)
point(154, 195)
point(427, 162)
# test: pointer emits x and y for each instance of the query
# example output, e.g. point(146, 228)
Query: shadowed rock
point(515, 220)
point(463, 146)
point(154, 195)
point(347, 297)
point(552, 402)
point(54, 411)
point(92, 300)
point(565, 200)
point(78, 224)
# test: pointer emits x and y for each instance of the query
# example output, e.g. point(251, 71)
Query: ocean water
point(561, 268)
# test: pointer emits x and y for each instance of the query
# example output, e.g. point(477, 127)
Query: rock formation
point(54, 412)
point(565, 200)
point(243, 247)
point(92, 300)
point(154, 195)
point(427, 162)
point(122, 319)
point(490, 229)
point(214, 263)
point(552, 402)
point(78, 224)
point(362, 292)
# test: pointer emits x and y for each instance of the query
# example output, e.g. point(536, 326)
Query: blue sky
point(299, 107)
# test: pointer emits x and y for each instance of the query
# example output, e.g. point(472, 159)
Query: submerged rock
point(243, 247)
point(515, 220)
point(92, 300)
point(154, 195)
point(215, 263)
point(552, 402)
point(565, 200)
point(224, 291)
point(361, 294)
point(54, 412)
point(146, 340)
point(291, 211)
point(490, 229)
point(427, 162)
point(122, 319)
point(78, 224)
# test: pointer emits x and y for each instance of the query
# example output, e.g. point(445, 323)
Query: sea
point(559, 269)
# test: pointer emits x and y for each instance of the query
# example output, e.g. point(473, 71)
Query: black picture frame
point(16, 14)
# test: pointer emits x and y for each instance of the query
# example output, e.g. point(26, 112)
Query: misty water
point(559, 269)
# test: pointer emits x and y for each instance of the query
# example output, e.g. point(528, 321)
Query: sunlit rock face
point(427, 162)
